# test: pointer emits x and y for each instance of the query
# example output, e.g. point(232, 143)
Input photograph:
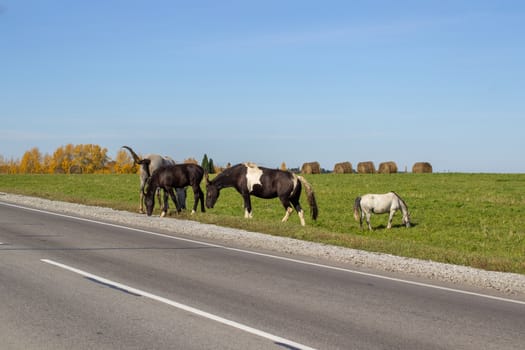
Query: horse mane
point(226, 174)
point(401, 199)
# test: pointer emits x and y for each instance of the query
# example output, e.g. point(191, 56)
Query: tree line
point(79, 159)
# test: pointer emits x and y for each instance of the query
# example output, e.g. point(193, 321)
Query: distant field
point(466, 219)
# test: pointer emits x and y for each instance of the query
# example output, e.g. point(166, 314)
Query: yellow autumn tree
point(30, 163)
point(13, 166)
point(124, 164)
point(76, 159)
point(61, 160)
point(4, 165)
point(46, 164)
point(88, 159)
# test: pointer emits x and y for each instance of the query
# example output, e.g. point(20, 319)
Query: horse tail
point(312, 202)
point(357, 208)
point(136, 158)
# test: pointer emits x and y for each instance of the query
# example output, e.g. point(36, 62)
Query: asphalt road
point(67, 283)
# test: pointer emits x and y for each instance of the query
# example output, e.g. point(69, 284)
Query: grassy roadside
point(467, 219)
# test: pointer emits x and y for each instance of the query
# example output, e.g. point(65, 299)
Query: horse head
point(149, 197)
point(212, 193)
point(406, 219)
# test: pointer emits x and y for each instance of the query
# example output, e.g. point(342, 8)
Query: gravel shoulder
point(447, 274)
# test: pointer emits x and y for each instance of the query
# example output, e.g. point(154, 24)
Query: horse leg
point(367, 214)
point(158, 197)
point(390, 217)
point(287, 213)
point(174, 199)
point(141, 201)
point(247, 206)
point(201, 198)
point(197, 195)
point(287, 208)
point(164, 205)
point(301, 217)
point(181, 197)
point(299, 210)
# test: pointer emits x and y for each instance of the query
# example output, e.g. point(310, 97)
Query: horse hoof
point(163, 214)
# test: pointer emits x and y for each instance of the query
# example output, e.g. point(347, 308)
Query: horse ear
point(207, 176)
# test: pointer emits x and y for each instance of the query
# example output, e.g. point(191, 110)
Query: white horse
point(379, 204)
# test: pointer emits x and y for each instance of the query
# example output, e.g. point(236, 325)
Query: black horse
point(249, 179)
point(174, 176)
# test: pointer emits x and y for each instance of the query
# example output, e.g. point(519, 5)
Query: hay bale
point(311, 168)
point(422, 167)
point(366, 168)
point(343, 168)
point(191, 161)
point(387, 168)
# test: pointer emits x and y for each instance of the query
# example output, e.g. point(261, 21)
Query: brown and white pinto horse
point(251, 180)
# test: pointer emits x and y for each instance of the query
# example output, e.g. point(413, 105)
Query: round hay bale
point(422, 167)
point(343, 168)
point(366, 168)
point(311, 168)
point(191, 161)
point(387, 168)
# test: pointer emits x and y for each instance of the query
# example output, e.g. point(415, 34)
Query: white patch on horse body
point(253, 175)
point(295, 180)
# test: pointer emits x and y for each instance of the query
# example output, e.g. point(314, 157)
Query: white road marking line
point(183, 307)
point(393, 279)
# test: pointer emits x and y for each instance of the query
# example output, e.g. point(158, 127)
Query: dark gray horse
point(148, 165)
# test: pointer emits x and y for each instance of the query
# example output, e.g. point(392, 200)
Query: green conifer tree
point(205, 163)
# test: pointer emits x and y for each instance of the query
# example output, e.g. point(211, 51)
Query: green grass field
point(467, 219)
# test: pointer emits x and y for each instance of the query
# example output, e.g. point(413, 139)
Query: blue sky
point(269, 81)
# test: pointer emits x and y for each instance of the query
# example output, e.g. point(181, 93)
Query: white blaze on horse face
point(253, 176)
